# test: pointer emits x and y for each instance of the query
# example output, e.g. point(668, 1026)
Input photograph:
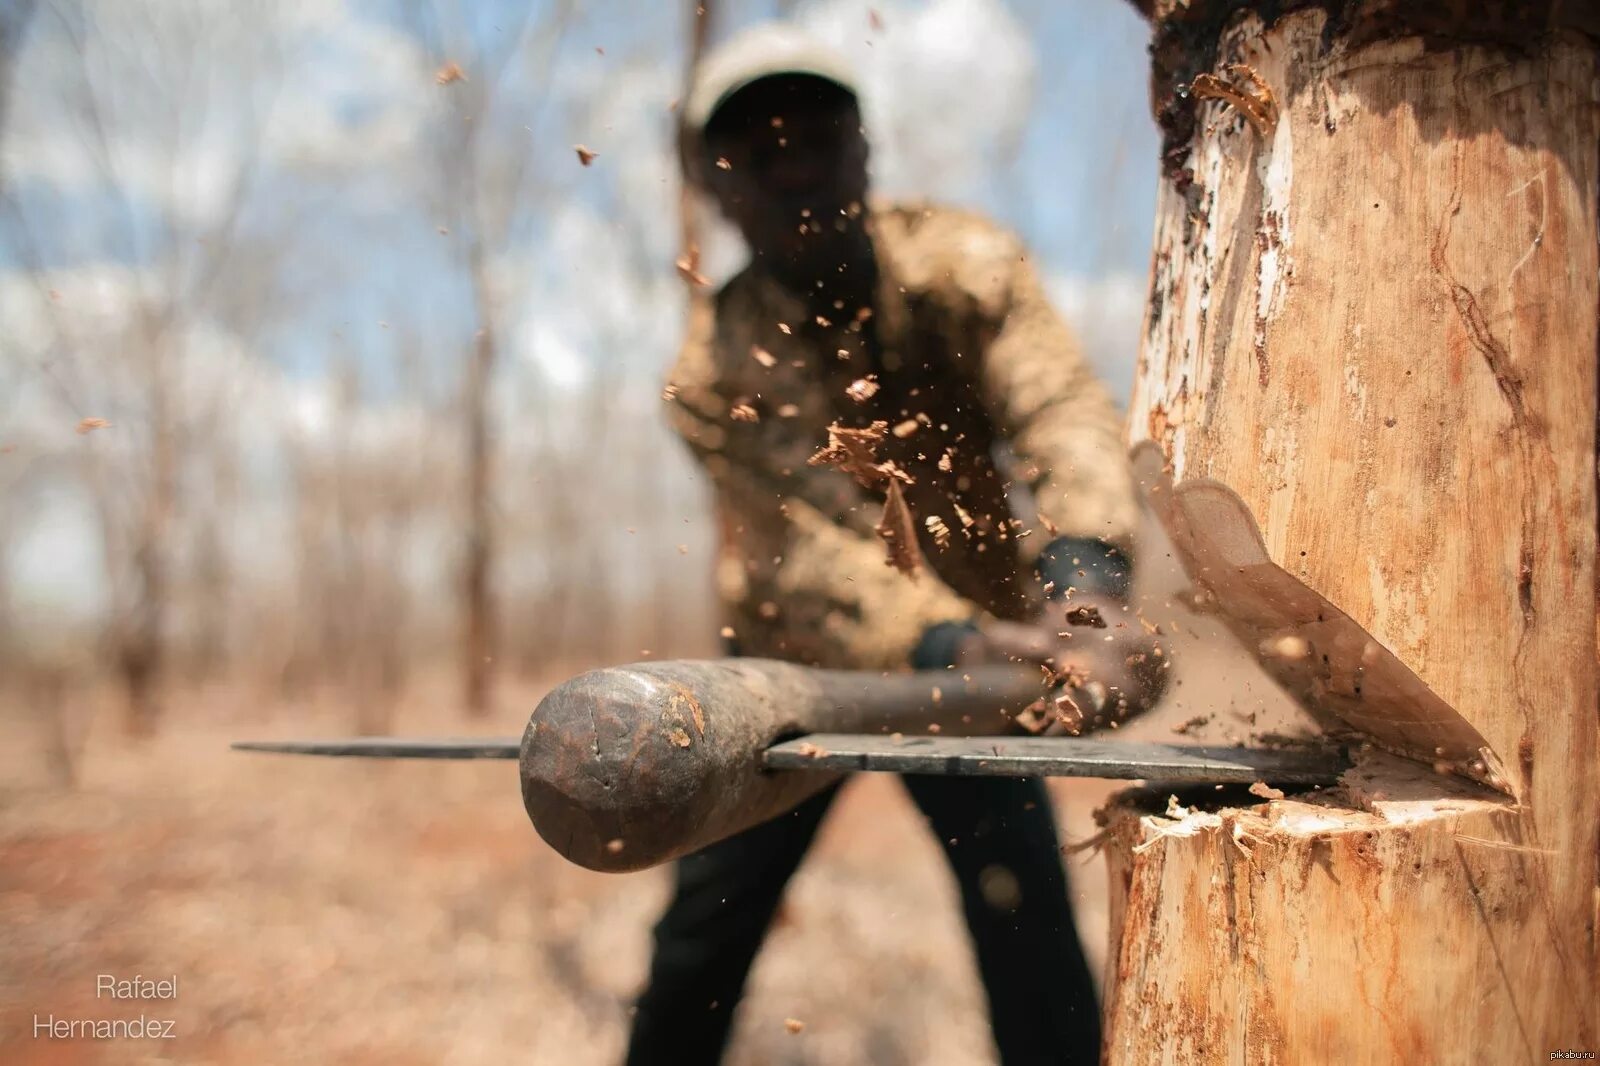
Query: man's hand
point(1107, 666)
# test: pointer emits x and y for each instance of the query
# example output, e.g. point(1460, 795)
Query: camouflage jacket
point(995, 416)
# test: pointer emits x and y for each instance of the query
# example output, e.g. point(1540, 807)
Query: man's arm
point(1060, 424)
point(1058, 418)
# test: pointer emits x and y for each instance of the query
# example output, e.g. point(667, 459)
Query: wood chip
point(898, 529)
point(941, 532)
point(1266, 791)
point(743, 412)
point(762, 356)
point(1068, 714)
point(688, 265)
point(89, 425)
point(614, 845)
point(906, 428)
point(863, 389)
point(448, 73)
point(794, 1025)
point(855, 451)
point(1248, 92)
point(1086, 616)
point(1035, 717)
point(585, 156)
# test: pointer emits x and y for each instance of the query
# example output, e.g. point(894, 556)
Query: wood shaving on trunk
point(1256, 104)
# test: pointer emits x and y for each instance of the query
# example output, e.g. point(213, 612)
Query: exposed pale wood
point(1372, 332)
point(1344, 929)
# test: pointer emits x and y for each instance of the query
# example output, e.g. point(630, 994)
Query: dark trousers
point(1041, 998)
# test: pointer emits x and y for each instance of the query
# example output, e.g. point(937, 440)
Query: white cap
point(755, 53)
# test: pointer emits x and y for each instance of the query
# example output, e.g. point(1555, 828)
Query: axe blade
point(390, 747)
point(1013, 756)
point(1009, 756)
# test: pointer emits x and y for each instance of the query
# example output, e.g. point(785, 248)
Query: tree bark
point(1367, 395)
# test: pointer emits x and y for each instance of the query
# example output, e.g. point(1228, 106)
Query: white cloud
point(53, 560)
point(300, 83)
point(356, 95)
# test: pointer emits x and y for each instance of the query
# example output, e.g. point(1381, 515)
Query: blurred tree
point(167, 104)
point(486, 184)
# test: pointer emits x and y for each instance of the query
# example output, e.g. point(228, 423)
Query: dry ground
point(337, 912)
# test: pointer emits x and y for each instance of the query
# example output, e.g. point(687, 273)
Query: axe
point(626, 767)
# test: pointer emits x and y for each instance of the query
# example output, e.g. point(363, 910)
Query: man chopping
point(912, 466)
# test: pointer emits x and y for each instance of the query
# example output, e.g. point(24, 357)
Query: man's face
point(787, 163)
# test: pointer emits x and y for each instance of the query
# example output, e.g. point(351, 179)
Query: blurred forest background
point(326, 365)
point(329, 403)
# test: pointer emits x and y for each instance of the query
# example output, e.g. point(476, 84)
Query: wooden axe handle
point(630, 766)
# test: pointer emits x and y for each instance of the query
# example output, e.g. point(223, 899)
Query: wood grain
point(1373, 326)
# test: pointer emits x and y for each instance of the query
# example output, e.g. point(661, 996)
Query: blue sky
point(328, 117)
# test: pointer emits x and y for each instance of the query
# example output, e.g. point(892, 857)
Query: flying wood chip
point(89, 425)
point(898, 529)
point(688, 265)
point(585, 155)
point(855, 451)
point(1086, 616)
point(863, 389)
point(449, 72)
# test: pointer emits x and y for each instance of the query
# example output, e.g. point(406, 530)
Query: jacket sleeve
point(1058, 417)
point(828, 585)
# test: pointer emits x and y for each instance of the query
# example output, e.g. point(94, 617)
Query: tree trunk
point(142, 636)
point(477, 600)
point(1368, 378)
